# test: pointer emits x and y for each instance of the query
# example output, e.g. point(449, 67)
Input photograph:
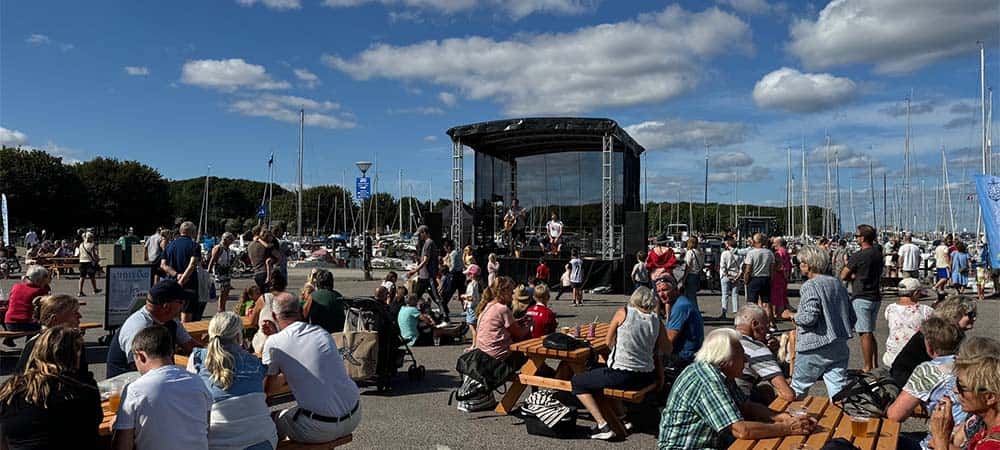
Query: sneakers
point(603, 433)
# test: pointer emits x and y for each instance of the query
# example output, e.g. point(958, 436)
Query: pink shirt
point(492, 336)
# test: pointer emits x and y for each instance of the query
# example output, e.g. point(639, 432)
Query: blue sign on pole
point(363, 189)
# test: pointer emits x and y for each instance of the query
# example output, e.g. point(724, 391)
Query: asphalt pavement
point(417, 414)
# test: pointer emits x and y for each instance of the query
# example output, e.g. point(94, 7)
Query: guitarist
point(513, 224)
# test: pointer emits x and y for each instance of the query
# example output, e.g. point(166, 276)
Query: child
point(563, 282)
point(244, 307)
point(493, 268)
point(576, 277)
point(543, 320)
point(409, 319)
point(470, 300)
point(542, 271)
point(640, 275)
point(389, 283)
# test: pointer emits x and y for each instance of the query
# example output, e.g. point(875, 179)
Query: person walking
point(730, 263)
point(864, 271)
point(779, 279)
point(694, 262)
point(90, 262)
point(758, 265)
point(960, 267)
point(220, 265)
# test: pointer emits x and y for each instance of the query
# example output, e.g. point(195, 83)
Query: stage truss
point(457, 191)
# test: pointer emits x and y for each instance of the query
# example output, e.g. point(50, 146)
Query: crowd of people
point(714, 386)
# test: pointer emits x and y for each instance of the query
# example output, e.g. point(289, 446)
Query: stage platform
point(596, 272)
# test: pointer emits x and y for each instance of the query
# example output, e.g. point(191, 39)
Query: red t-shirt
point(543, 320)
point(986, 439)
point(19, 308)
point(542, 273)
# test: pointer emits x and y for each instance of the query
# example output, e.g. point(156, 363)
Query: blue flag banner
point(988, 191)
point(262, 212)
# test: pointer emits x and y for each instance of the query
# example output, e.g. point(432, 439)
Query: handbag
point(867, 394)
point(359, 347)
point(488, 372)
point(560, 341)
point(204, 283)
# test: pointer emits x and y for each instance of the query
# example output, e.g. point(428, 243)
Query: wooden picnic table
point(883, 434)
point(199, 329)
point(571, 362)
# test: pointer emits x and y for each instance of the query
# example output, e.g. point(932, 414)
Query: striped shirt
point(761, 365)
point(700, 407)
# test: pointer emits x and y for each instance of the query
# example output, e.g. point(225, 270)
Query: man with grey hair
point(761, 365)
point(704, 405)
point(180, 261)
point(758, 265)
point(327, 400)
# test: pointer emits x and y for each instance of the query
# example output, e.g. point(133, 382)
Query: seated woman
point(496, 328)
point(977, 385)
point(19, 307)
point(52, 311)
point(47, 406)
point(240, 417)
point(636, 339)
point(264, 306)
point(410, 318)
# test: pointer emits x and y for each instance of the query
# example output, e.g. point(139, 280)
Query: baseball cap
point(909, 286)
point(423, 229)
point(167, 291)
point(473, 269)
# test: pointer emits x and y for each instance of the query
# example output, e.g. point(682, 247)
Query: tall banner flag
point(988, 191)
point(6, 222)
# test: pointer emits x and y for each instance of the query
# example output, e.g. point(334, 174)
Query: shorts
point(942, 273)
point(223, 282)
point(577, 285)
point(260, 279)
point(88, 269)
point(606, 378)
point(196, 309)
point(982, 274)
point(759, 287)
point(866, 311)
point(911, 274)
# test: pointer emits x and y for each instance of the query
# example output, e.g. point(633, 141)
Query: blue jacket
point(825, 314)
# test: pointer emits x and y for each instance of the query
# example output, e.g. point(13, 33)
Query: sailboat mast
point(203, 215)
point(400, 201)
point(947, 190)
point(982, 112)
point(788, 192)
point(805, 193)
point(302, 122)
point(827, 203)
point(871, 188)
point(906, 162)
point(836, 167)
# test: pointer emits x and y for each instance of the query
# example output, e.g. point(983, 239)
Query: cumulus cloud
point(842, 155)
point(447, 98)
point(963, 108)
point(897, 36)
point(280, 5)
point(652, 58)
point(430, 138)
point(899, 109)
point(794, 91)
point(731, 159)
point(516, 9)
point(754, 175)
point(285, 108)
point(683, 134)
point(308, 79)
point(960, 122)
point(38, 39)
point(12, 138)
point(419, 110)
point(228, 75)
point(137, 71)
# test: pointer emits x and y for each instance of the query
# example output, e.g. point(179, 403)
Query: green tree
point(42, 192)
point(124, 193)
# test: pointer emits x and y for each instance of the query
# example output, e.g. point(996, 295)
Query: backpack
point(867, 394)
point(560, 341)
point(482, 374)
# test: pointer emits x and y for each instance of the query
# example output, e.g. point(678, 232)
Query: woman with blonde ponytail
point(51, 311)
point(240, 417)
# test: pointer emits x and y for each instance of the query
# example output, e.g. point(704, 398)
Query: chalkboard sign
point(124, 286)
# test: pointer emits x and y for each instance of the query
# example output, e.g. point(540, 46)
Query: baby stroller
point(369, 315)
point(9, 262)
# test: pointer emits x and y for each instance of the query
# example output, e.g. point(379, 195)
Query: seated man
point(163, 304)
point(327, 399)
point(704, 406)
point(685, 326)
point(933, 379)
point(751, 322)
point(167, 407)
point(409, 318)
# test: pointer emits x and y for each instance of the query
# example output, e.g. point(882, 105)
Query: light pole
point(363, 166)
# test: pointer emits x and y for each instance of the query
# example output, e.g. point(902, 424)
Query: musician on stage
point(555, 230)
point(513, 223)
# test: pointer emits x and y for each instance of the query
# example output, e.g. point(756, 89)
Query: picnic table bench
point(883, 434)
point(57, 264)
point(571, 362)
point(199, 329)
point(4, 334)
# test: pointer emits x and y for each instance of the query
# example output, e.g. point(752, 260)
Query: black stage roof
point(536, 135)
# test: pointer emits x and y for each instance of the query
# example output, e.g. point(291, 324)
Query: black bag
point(563, 429)
point(867, 394)
point(559, 341)
point(489, 372)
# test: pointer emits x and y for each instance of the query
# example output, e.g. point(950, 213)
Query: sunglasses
point(961, 389)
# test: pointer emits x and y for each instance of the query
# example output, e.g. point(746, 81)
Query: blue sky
point(183, 85)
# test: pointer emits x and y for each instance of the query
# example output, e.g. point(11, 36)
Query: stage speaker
point(433, 221)
point(635, 235)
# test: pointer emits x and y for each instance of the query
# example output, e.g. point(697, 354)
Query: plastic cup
point(566, 330)
point(859, 426)
point(799, 411)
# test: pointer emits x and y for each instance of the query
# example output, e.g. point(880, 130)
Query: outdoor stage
point(586, 171)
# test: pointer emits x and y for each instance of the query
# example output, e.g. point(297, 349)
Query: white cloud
point(650, 59)
point(897, 36)
point(38, 39)
point(794, 91)
point(139, 71)
point(754, 6)
point(280, 5)
point(430, 138)
point(516, 9)
point(419, 110)
point(12, 138)
point(228, 75)
point(447, 98)
point(308, 79)
point(682, 134)
point(842, 155)
point(731, 159)
point(285, 108)
point(755, 174)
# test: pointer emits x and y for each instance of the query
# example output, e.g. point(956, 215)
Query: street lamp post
point(363, 166)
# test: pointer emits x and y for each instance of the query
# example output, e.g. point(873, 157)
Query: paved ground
point(416, 414)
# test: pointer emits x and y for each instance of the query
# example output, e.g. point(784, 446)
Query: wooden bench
point(56, 265)
point(292, 445)
point(4, 334)
point(566, 385)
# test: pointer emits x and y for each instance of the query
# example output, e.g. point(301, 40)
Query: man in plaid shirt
point(705, 410)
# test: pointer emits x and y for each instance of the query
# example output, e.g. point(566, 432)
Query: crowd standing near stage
point(711, 387)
